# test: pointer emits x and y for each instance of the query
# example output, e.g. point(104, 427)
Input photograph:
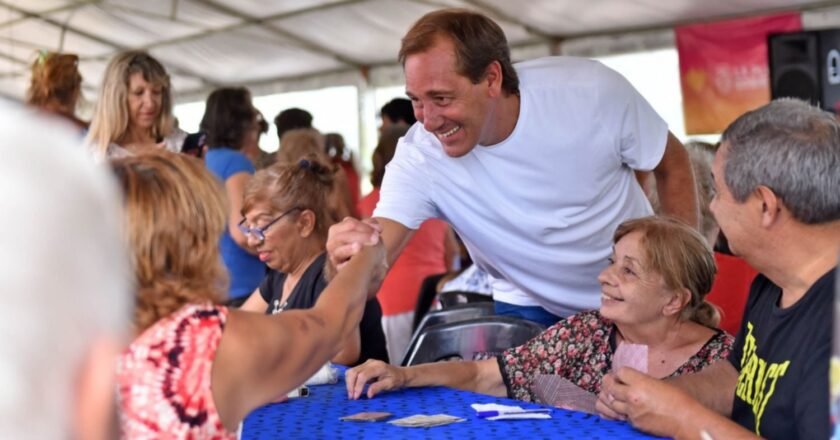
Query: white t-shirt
point(538, 210)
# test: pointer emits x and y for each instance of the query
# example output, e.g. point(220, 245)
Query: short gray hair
point(792, 148)
point(64, 274)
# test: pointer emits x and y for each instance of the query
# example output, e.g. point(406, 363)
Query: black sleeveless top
point(307, 291)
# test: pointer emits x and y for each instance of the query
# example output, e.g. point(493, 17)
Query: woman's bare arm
point(351, 350)
point(255, 303)
point(263, 357)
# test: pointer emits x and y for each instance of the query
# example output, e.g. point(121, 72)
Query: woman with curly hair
point(56, 85)
point(196, 368)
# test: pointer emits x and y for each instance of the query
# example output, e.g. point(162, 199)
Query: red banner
point(724, 70)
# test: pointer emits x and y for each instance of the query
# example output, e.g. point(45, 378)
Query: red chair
point(731, 289)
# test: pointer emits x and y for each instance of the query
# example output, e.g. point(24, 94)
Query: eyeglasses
point(259, 233)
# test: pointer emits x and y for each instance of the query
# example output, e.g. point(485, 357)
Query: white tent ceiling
point(208, 43)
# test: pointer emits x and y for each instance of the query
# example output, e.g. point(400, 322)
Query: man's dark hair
point(399, 109)
point(291, 119)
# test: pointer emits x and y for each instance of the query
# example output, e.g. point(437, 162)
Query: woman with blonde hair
point(134, 111)
point(653, 293)
point(56, 85)
point(196, 368)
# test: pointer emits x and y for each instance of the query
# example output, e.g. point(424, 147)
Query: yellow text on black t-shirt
point(757, 380)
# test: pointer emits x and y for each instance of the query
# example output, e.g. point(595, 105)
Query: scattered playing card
point(426, 421)
point(631, 355)
point(557, 391)
point(366, 417)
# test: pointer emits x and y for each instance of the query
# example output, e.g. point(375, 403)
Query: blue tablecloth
point(317, 417)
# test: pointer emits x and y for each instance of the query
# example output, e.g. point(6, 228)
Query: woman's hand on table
point(380, 375)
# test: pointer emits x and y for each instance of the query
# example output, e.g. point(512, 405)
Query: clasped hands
point(347, 238)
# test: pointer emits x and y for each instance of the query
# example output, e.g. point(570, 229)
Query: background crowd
point(234, 275)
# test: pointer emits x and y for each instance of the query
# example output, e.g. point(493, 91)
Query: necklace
point(279, 307)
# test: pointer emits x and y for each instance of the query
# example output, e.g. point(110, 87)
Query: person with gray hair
point(777, 175)
point(793, 149)
point(63, 283)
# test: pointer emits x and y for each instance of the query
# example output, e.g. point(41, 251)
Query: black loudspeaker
point(806, 65)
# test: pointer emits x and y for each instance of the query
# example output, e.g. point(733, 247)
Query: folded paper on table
point(426, 421)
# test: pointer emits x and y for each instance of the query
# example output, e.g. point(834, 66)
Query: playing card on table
point(366, 417)
point(426, 421)
point(631, 355)
point(557, 391)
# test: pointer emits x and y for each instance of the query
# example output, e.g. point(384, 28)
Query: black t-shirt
point(306, 292)
point(783, 356)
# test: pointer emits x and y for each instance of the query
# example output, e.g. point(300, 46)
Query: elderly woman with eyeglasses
point(286, 214)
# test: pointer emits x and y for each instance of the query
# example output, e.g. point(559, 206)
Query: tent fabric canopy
point(283, 44)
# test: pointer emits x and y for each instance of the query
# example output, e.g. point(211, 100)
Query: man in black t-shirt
point(777, 176)
point(782, 356)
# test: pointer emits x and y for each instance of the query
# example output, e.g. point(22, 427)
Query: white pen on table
point(485, 414)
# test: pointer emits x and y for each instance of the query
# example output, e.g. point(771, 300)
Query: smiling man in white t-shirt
point(531, 165)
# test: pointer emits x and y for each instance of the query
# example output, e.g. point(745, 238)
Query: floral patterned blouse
point(580, 348)
point(164, 377)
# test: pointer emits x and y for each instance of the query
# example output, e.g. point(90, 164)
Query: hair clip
point(42, 55)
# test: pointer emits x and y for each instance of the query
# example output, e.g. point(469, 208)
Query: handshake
point(348, 239)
